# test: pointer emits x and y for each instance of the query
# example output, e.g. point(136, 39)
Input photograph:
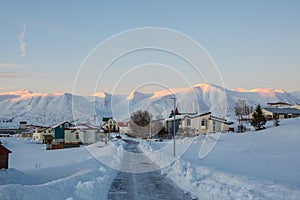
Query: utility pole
point(174, 115)
point(150, 132)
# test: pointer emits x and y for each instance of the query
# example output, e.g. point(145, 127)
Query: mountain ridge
point(51, 108)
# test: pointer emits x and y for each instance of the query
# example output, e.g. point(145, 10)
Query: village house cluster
point(67, 134)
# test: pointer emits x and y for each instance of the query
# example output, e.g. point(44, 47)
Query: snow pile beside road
point(73, 173)
point(208, 183)
point(253, 165)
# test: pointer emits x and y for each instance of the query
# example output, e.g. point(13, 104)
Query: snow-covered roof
point(60, 124)
point(43, 129)
point(219, 119)
point(283, 111)
point(176, 117)
point(3, 150)
point(198, 115)
point(278, 104)
point(179, 117)
point(84, 127)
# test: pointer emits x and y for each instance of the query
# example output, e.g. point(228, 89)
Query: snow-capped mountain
point(48, 109)
point(41, 109)
point(296, 94)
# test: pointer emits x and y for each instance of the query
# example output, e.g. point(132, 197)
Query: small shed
point(4, 157)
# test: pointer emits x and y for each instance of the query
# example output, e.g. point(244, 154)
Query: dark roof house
point(4, 157)
point(281, 113)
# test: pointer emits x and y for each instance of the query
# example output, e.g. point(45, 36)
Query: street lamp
point(150, 132)
point(174, 114)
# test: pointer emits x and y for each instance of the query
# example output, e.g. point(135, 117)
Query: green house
point(59, 131)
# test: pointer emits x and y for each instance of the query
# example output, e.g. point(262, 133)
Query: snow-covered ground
point(74, 173)
point(252, 165)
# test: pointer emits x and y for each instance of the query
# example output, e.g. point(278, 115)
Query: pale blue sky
point(254, 43)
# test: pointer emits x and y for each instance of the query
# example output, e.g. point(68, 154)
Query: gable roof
point(278, 103)
point(198, 115)
point(283, 111)
point(179, 117)
point(84, 126)
point(3, 150)
point(57, 125)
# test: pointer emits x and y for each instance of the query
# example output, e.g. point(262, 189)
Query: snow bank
point(253, 165)
point(73, 173)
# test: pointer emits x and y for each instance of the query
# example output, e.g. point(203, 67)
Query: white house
point(203, 124)
point(83, 133)
point(197, 124)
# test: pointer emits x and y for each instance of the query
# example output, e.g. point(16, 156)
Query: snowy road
point(147, 185)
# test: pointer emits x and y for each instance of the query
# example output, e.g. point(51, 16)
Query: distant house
point(109, 125)
point(23, 125)
point(26, 134)
point(59, 131)
point(197, 124)
point(281, 113)
point(296, 106)
point(83, 133)
point(39, 133)
point(123, 127)
point(4, 156)
point(278, 104)
point(54, 137)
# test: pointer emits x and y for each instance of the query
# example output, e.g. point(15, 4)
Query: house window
point(204, 122)
point(77, 135)
point(188, 122)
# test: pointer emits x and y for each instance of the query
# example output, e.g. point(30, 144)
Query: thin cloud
point(10, 75)
point(11, 65)
point(22, 43)
point(19, 75)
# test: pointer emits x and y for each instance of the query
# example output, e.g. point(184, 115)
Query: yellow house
point(40, 132)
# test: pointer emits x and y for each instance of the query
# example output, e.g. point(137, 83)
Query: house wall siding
point(3, 161)
point(60, 132)
point(70, 136)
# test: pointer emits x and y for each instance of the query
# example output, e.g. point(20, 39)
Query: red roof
point(3, 150)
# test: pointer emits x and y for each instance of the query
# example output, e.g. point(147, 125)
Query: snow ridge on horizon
point(43, 108)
